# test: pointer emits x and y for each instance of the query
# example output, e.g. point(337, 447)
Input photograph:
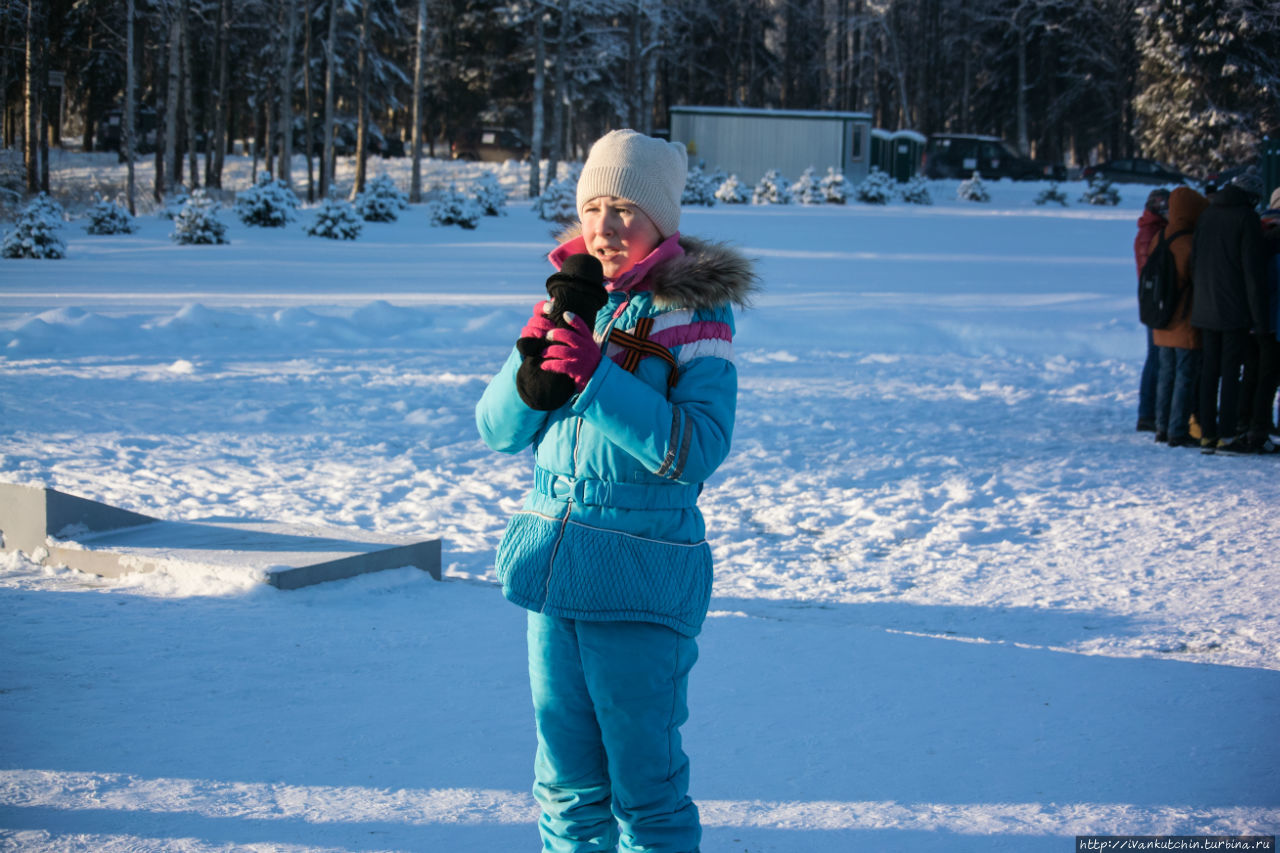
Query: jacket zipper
point(577, 436)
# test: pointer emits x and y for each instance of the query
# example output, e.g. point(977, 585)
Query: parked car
point(491, 144)
point(1136, 170)
point(959, 155)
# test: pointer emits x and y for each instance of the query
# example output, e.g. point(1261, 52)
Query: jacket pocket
point(524, 558)
point(603, 574)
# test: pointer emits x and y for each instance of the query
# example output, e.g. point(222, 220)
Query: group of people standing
point(1211, 373)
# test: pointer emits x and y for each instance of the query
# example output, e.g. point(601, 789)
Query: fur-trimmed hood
point(709, 274)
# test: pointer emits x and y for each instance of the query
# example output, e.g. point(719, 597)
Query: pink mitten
point(539, 324)
point(573, 351)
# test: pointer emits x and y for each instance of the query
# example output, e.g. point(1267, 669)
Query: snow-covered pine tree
point(49, 206)
point(1100, 191)
point(731, 191)
point(1208, 82)
point(834, 187)
point(876, 188)
point(973, 189)
point(109, 217)
point(807, 189)
point(716, 179)
point(269, 203)
point(335, 219)
point(197, 223)
point(453, 208)
point(490, 195)
point(559, 201)
point(916, 190)
point(1053, 194)
point(174, 202)
point(698, 188)
point(381, 201)
point(773, 189)
point(35, 234)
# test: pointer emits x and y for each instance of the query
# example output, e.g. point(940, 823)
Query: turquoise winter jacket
point(611, 529)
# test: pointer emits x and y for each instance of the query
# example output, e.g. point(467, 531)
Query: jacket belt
point(616, 495)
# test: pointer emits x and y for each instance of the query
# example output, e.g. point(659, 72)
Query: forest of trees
point(1192, 82)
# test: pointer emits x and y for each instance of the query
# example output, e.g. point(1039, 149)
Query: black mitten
point(577, 288)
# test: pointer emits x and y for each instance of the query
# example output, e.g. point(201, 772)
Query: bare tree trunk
point(189, 95)
point(172, 163)
point(285, 168)
point(268, 131)
point(130, 92)
point(218, 146)
point(558, 109)
point(362, 102)
point(539, 110)
point(649, 84)
point(5, 140)
point(158, 184)
point(257, 149)
point(308, 124)
point(330, 58)
point(34, 94)
point(631, 96)
point(419, 69)
point(1024, 144)
point(45, 129)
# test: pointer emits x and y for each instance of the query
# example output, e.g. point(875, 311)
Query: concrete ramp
point(64, 530)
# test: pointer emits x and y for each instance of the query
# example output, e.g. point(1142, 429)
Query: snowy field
point(960, 605)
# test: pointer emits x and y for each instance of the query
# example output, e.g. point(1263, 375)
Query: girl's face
point(617, 233)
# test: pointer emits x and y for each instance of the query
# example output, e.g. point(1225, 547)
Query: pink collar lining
point(632, 279)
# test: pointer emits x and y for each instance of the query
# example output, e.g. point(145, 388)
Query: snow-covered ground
point(960, 604)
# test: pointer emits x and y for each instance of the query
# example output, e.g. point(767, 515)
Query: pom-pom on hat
point(648, 171)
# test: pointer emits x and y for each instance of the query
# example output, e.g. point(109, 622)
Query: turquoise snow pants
point(609, 699)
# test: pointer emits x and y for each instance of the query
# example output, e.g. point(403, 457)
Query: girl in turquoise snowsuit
point(609, 554)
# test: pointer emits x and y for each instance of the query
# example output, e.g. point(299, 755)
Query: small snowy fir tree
point(49, 206)
point(698, 188)
point(1100, 191)
point(35, 234)
point(773, 189)
point(109, 217)
point(731, 191)
point(834, 187)
point(197, 223)
point(381, 201)
point(876, 188)
point(490, 195)
point(1052, 194)
point(268, 204)
point(916, 191)
point(559, 201)
point(454, 208)
point(173, 202)
point(335, 219)
point(973, 189)
point(808, 189)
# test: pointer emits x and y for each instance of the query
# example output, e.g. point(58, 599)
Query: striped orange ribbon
point(638, 345)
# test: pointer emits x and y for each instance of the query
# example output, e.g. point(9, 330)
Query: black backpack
point(1158, 283)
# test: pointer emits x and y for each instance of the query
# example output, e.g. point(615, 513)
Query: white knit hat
point(648, 171)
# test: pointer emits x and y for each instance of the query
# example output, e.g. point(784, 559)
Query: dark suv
point(491, 144)
point(956, 155)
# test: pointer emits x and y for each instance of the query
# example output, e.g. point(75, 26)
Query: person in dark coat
point(1271, 242)
point(1229, 303)
point(1179, 342)
point(1152, 221)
